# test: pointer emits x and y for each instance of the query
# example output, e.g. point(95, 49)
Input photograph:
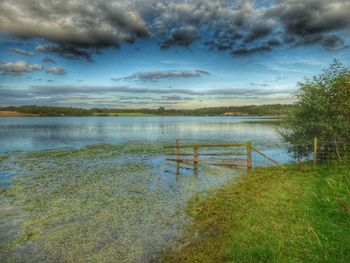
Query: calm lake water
point(33, 134)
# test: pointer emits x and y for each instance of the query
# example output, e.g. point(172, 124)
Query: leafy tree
point(322, 110)
point(161, 110)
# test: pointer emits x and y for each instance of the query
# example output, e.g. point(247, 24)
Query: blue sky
point(176, 54)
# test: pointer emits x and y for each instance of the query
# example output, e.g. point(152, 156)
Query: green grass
point(298, 214)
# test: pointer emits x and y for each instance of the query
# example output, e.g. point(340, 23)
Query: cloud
point(56, 71)
point(47, 59)
point(19, 67)
point(69, 89)
point(75, 25)
point(167, 74)
point(21, 52)
point(309, 22)
point(80, 29)
point(68, 51)
point(181, 37)
point(111, 96)
point(176, 98)
point(334, 43)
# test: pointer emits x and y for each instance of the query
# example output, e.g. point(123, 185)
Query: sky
point(173, 53)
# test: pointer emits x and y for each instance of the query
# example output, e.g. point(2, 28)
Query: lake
point(98, 189)
point(42, 133)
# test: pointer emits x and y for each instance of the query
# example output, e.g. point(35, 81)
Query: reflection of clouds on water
point(28, 134)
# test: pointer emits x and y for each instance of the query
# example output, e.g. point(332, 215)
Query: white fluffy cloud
point(19, 67)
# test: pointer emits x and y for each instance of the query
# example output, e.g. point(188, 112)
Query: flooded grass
point(98, 204)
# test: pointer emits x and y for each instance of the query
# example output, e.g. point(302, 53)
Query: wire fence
point(267, 153)
point(316, 151)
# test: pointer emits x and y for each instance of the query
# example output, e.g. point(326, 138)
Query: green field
point(297, 214)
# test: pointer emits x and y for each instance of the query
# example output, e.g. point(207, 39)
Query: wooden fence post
point(195, 159)
point(315, 150)
point(177, 156)
point(249, 155)
point(177, 150)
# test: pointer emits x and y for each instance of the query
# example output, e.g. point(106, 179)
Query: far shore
point(129, 114)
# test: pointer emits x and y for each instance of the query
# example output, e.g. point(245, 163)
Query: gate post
point(249, 155)
point(177, 156)
point(195, 159)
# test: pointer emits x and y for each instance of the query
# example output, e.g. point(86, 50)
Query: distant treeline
point(271, 109)
point(49, 110)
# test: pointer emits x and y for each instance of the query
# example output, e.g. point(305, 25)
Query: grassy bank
point(298, 214)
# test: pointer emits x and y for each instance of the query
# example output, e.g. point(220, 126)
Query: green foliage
point(270, 109)
point(322, 111)
point(161, 110)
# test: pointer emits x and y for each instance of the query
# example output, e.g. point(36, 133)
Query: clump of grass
point(298, 214)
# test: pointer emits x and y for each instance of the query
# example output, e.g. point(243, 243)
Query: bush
point(322, 110)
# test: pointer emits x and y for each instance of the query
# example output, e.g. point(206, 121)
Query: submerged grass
point(298, 214)
point(97, 204)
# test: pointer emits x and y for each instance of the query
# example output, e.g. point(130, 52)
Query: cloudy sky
point(171, 53)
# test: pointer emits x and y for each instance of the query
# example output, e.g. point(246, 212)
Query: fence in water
point(249, 154)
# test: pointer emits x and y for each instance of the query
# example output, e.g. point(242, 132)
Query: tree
point(161, 110)
point(322, 110)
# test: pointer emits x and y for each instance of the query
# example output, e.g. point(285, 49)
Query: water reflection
point(31, 134)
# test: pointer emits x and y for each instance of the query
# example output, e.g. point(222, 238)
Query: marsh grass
point(298, 214)
point(97, 204)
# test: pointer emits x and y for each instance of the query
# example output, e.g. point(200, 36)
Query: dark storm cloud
point(243, 51)
point(79, 29)
point(334, 43)
point(259, 30)
point(309, 22)
point(181, 37)
point(21, 52)
point(167, 74)
point(73, 26)
point(68, 51)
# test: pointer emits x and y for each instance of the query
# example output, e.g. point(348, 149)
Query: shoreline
point(19, 114)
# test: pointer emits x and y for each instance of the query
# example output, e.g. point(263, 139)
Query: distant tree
point(161, 110)
point(322, 110)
